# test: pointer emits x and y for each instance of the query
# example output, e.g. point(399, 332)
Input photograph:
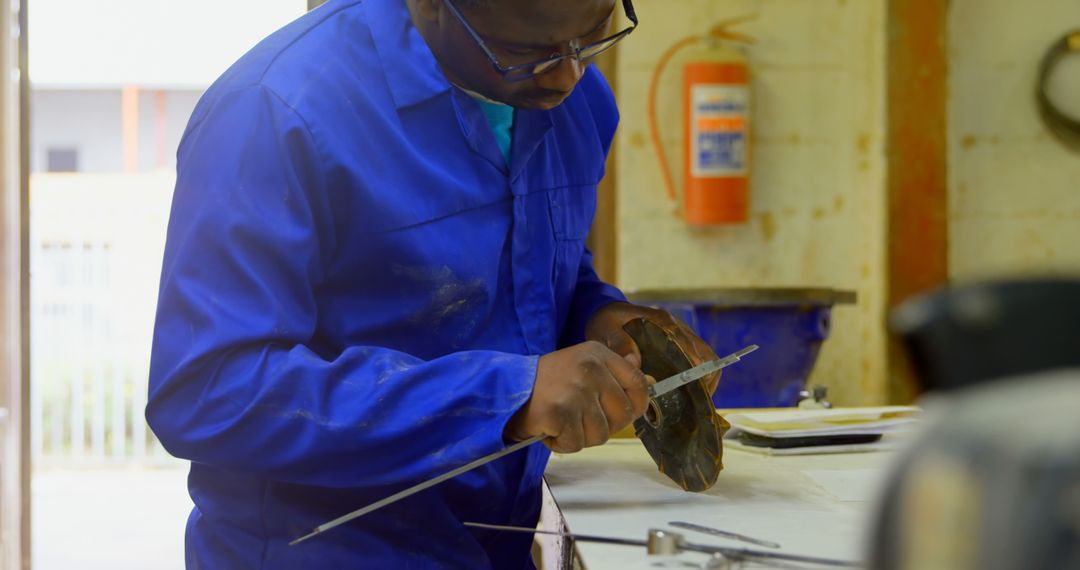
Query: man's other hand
point(582, 395)
point(606, 327)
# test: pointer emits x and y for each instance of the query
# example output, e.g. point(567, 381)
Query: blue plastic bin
point(788, 324)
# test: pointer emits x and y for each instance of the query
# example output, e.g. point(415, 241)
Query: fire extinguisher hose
point(720, 31)
point(654, 127)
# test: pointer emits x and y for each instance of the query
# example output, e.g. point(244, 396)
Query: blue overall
point(356, 288)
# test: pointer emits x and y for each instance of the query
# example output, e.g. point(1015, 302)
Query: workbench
point(817, 505)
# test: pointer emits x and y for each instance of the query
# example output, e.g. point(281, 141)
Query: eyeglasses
point(529, 70)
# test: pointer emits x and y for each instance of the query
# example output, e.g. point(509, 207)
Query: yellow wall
point(818, 196)
point(1014, 190)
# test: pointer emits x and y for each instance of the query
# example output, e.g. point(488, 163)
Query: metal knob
point(814, 399)
point(664, 542)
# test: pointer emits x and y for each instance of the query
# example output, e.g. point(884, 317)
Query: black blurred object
point(754, 440)
point(992, 484)
point(977, 333)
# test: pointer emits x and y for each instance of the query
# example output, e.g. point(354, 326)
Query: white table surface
point(816, 505)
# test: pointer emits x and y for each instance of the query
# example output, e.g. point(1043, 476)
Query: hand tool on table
point(656, 390)
point(662, 542)
point(723, 533)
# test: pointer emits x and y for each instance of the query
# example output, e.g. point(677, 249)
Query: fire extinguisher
point(711, 78)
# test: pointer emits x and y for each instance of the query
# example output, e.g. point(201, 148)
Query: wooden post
point(161, 126)
point(14, 291)
point(603, 235)
point(917, 71)
point(129, 107)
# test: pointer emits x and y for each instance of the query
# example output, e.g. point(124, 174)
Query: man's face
point(517, 32)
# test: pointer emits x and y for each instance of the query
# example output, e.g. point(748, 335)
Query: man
point(375, 273)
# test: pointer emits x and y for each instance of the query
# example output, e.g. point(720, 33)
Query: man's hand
point(582, 395)
point(606, 327)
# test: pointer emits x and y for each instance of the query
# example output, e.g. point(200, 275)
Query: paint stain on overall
point(452, 302)
point(393, 365)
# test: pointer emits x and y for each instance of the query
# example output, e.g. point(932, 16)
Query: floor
point(114, 518)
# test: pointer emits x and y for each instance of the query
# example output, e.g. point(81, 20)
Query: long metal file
point(656, 390)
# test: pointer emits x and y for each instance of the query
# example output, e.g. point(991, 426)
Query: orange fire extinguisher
point(711, 82)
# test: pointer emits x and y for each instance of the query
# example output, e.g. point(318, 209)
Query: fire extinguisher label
point(719, 130)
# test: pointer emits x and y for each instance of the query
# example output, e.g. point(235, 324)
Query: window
point(113, 86)
point(62, 160)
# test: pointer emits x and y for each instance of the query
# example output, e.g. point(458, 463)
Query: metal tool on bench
point(724, 534)
point(662, 387)
point(663, 542)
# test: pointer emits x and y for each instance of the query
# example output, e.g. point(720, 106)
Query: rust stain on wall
point(863, 143)
point(768, 226)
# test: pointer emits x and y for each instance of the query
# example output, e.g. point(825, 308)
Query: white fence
point(96, 244)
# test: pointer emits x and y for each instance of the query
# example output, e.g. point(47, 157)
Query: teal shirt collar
point(501, 119)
